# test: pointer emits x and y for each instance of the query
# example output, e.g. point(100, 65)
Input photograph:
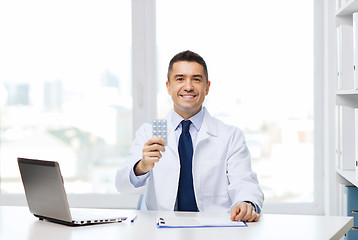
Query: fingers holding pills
point(152, 153)
point(153, 148)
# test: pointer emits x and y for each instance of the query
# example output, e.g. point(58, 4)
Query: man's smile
point(187, 95)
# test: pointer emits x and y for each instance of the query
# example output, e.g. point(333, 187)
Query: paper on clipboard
point(197, 222)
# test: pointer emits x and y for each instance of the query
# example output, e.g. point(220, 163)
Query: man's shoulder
point(214, 122)
point(144, 130)
point(145, 126)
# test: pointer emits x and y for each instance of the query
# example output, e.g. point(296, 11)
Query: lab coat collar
point(208, 128)
point(196, 120)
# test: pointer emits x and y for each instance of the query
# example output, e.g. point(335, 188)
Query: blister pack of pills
point(160, 129)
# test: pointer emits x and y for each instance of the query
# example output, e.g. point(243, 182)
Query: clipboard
point(198, 222)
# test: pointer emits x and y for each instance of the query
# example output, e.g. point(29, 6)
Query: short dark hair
point(188, 56)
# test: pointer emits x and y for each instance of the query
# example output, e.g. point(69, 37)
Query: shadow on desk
point(48, 230)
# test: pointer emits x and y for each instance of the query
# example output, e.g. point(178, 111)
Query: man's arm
point(243, 181)
point(126, 180)
point(151, 154)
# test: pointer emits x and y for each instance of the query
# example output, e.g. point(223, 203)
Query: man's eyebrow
point(183, 75)
point(198, 75)
point(179, 75)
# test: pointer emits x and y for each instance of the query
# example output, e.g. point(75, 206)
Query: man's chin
point(187, 111)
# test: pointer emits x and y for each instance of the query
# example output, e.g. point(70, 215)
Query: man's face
point(188, 87)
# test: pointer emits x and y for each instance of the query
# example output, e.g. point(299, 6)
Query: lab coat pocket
point(213, 179)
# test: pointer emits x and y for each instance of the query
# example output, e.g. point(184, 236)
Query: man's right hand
point(151, 154)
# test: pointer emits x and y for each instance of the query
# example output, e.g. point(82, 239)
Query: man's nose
point(188, 85)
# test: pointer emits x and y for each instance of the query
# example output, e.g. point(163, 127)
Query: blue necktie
point(186, 196)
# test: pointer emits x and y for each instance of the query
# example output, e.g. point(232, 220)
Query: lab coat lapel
point(172, 142)
point(208, 128)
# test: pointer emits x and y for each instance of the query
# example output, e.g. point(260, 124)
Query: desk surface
point(19, 223)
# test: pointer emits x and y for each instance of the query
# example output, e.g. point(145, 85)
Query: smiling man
point(206, 164)
point(188, 86)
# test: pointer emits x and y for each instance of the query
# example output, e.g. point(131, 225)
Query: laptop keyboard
point(85, 216)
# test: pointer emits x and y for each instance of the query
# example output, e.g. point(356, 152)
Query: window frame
point(144, 77)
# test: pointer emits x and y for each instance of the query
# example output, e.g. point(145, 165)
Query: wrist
point(139, 169)
point(252, 204)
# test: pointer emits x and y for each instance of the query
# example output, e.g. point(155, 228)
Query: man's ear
point(207, 87)
point(168, 87)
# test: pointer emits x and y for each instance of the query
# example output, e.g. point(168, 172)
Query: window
point(67, 74)
point(260, 62)
point(65, 89)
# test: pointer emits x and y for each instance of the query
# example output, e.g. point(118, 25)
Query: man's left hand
point(244, 212)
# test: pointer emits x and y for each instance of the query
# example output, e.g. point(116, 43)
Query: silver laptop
point(46, 195)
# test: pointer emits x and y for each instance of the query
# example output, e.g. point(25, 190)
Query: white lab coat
point(222, 172)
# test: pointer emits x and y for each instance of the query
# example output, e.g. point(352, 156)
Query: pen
point(133, 218)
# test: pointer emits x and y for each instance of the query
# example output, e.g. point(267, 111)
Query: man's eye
point(180, 79)
point(197, 79)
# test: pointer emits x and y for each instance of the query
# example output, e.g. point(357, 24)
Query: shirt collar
point(197, 119)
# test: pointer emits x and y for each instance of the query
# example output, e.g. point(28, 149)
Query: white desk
point(18, 223)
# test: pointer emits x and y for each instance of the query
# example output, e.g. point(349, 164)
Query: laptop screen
point(44, 190)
